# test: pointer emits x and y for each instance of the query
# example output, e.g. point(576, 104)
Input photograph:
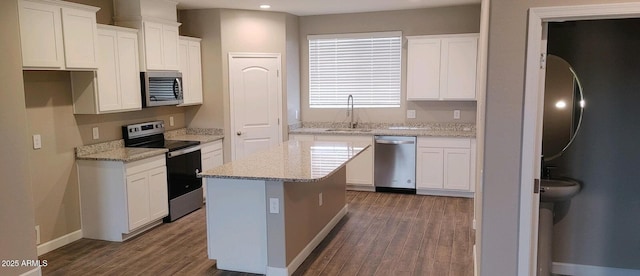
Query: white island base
point(270, 226)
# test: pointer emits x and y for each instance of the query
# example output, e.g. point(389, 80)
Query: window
point(365, 65)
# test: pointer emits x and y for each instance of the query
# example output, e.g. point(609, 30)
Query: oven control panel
point(142, 129)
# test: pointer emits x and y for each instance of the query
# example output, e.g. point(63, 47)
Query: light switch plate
point(411, 114)
point(274, 205)
point(37, 141)
point(320, 199)
point(170, 120)
point(96, 133)
point(456, 114)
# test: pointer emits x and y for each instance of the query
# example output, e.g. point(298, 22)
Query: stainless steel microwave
point(161, 88)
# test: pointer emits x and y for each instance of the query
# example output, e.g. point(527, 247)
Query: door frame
point(533, 111)
point(231, 57)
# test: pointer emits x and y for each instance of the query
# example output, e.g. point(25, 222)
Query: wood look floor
point(383, 234)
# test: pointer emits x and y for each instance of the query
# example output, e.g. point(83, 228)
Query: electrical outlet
point(170, 120)
point(320, 199)
point(456, 114)
point(411, 114)
point(37, 141)
point(37, 234)
point(274, 205)
point(96, 133)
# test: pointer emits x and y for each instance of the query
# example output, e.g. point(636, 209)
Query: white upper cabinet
point(158, 36)
point(115, 87)
point(442, 67)
point(58, 35)
point(191, 68)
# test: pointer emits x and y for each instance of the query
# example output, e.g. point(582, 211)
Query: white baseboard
point(297, 261)
point(444, 193)
point(34, 272)
point(475, 260)
point(59, 242)
point(590, 270)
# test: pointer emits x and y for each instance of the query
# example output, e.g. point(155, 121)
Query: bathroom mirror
point(563, 107)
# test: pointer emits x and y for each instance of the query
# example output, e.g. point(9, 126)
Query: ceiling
point(317, 7)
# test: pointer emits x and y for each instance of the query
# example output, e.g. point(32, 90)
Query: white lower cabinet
point(445, 166)
point(360, 169)
point(120, 200)
point(212, 157)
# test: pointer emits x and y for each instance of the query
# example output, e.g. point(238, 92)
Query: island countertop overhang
point(291, 161)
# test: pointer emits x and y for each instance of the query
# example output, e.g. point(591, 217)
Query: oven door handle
point(172, 154)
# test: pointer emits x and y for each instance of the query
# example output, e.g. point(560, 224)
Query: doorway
point(255, 88)
point(533, 112)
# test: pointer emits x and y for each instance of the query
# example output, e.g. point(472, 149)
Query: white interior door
point(254, 85)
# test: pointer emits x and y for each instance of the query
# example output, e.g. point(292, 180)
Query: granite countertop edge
point(123, 154)
point(202, 138)
point(390, 132)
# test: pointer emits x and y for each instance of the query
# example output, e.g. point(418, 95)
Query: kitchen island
point(267, 212)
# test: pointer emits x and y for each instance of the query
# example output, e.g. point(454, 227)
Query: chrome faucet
point(352, 124)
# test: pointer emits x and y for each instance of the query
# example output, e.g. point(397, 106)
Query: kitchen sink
point(348, 130)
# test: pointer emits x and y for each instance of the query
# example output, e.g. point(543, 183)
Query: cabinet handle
point(239, 133)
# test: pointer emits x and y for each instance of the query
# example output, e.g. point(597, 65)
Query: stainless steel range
point(183, 165)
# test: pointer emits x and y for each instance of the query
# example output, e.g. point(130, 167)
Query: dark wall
point(601, 225)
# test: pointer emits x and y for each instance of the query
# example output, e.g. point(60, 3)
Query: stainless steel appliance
point(183, 165)
point(395, 164)
point(161, 88)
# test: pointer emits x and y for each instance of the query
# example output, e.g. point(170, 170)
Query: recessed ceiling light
point(265, 6)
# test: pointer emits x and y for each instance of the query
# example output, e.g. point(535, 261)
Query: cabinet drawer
point(440, 142)
point(211, 147)
point(145, 164)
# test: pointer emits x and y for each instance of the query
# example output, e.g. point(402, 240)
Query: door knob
point(239, 133)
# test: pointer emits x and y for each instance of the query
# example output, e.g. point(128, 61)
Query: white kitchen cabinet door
point(429, 168)
point(212, 157)
point(158, 194)
point(109, 98)
point(129, 70)
point(458, 76)
point(360, 169)
point(80, 36)
point(115, 86)
point(423, 69)
point(138, 199)
point(457, 169)
point(195, 73)
point(191, 68)
point(170, 47)
point(183, 55)
point(442, 67)
point(41, 35)
point(153, 43)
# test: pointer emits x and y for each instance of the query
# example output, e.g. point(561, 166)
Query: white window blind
point(365, 65)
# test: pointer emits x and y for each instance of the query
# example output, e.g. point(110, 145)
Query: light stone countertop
point(292, 161)
point(390, 132)
point(392, 129)
point(123, 154)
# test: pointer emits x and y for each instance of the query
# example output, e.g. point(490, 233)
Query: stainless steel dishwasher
point(395, 164)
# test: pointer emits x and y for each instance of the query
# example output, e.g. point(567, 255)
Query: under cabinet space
point(58, 35)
